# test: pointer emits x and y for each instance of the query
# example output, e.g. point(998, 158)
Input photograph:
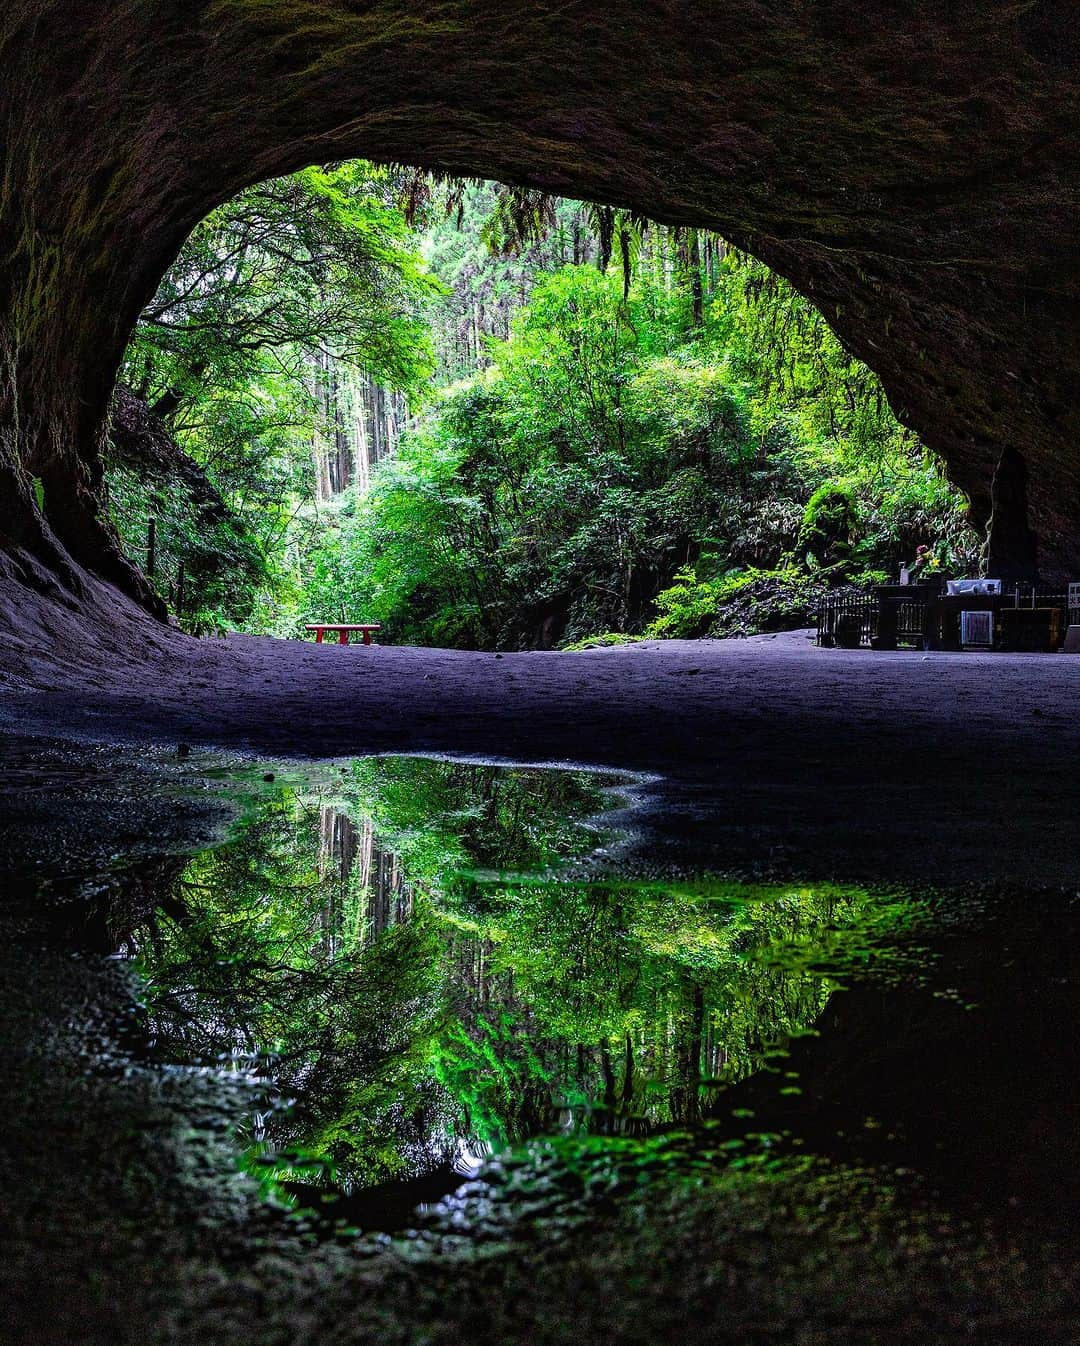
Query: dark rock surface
point(910, 166)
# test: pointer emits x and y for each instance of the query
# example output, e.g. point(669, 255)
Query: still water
point(421, 1000)
point(426, 962)
point(401, 957)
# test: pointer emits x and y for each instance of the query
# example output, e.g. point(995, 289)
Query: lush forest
point(488, 418)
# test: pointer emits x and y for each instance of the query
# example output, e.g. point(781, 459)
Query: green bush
point(740, 604)
point(829, 524)
point(601, 642)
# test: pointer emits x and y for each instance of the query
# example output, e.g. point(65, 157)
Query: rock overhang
point(911, 167)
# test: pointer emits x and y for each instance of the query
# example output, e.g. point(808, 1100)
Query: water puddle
point(301, 1028)
point(430, 977)
point(425, 963)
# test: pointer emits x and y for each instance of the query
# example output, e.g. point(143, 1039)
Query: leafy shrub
point(601, 642)
point(741, 604)
point(829, 524)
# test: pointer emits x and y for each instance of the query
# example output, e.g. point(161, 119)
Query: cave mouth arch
point(935, 229)
point(689, 289)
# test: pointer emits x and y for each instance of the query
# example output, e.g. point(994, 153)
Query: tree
point(246, 353)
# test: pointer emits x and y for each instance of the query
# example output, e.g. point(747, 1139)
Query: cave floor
point(757, 758)
point(765, 753)
point(918, 1185)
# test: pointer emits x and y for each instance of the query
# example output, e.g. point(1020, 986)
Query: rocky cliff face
point(910, 165)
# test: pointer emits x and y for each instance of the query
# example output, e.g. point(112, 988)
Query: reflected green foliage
point(445, 819)
point(380, 941)
point(271, 946)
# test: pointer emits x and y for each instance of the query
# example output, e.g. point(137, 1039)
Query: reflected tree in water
point(414, 991)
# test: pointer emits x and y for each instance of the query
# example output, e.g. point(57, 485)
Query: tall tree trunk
point(363, 452)
point(697, 297)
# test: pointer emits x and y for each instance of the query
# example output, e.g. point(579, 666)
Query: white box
point(973, 586)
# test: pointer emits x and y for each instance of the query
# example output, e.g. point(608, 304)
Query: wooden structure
point(890, 616)
point(344, 630)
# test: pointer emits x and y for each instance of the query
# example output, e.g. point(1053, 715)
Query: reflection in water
point(424, 959)
point(420, 985)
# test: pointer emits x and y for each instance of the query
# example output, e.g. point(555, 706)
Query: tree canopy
point(487, 417)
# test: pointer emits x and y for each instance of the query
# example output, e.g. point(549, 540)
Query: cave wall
point(910, 165)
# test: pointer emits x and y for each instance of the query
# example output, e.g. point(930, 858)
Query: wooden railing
point(852, 619)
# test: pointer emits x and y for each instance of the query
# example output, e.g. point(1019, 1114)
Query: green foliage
point(609, 448)
point(212, 563)
point(594, 443)
point(736, 604)
point(290, 276)
point(489, 247)
point(401, 959)
point(551, 497)
point(605, 640)
point(828, 525)
point(616, 442)
point(321, 260)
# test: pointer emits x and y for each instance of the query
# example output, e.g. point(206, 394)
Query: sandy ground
point(767, 753)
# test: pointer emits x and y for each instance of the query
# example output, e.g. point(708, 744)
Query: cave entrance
point(486, 417)
point(934, 230)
